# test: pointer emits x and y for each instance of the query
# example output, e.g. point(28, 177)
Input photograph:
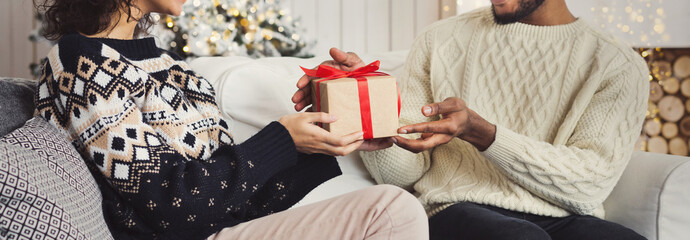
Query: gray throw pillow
point(16, 103)
point(47, 191)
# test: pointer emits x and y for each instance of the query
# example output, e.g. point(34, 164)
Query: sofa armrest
point(652, 196)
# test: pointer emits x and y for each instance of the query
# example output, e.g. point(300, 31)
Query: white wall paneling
point(5, 36)
point(403, 24)
point(378, 25)
point(426, 13)
point(362, 26)
point(328, 24)
point(365, 25)
point(21, 28)
point(354, 24)
point(16, 51)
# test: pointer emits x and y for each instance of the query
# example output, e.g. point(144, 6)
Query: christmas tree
point(254, 28)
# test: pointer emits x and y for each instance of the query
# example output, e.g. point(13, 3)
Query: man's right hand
point(341, 60)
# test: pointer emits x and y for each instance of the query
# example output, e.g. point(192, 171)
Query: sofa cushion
point(47, 190)
point(652, 195)
point(16, 103)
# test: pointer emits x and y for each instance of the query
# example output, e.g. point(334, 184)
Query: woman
point(168, 167)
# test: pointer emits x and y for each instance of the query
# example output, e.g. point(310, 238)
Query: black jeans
point(474, 221)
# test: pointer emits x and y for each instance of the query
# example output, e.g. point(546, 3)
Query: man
point(535, 119)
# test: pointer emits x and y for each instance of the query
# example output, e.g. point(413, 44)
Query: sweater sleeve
point(396, 165)
point(167, 189)
point(580, 174)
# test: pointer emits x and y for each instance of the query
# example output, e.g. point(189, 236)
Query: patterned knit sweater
point(154, 138)
point(567, 100)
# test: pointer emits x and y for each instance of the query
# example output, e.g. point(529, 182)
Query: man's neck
point(550, 13)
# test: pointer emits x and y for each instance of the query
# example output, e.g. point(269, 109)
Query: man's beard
point(525, 8)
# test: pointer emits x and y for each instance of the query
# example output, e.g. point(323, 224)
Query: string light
point(646, 17)
point(169, 22)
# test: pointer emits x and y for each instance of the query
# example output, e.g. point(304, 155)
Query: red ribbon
point(329, 73)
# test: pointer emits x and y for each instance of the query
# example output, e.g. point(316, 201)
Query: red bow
point(329, 73)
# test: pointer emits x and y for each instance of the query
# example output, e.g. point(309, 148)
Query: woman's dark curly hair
point(85, 16)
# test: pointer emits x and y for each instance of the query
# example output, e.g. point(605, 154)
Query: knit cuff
point(505, 148)
point(272, 149)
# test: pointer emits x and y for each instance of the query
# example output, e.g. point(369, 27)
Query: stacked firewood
point(667, 127)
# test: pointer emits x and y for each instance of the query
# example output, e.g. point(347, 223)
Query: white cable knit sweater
point(568, 102)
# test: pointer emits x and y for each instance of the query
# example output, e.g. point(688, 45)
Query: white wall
point(372, 25)
point(353, 25)
point(364, 25)
point(16, 51)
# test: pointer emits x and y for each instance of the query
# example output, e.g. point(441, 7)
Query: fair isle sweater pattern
point(151, 128)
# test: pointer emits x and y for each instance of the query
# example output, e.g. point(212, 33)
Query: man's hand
point(341, 60)
point(456, 121)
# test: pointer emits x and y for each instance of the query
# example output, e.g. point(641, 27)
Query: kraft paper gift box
point(362, 100)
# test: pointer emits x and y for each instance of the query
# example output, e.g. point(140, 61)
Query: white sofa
point(652, 197)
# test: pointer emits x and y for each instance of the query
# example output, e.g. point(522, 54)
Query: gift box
point(362, 100)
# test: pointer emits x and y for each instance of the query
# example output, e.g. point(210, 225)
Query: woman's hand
point(341, 60)
point(457, 120)
point(310, 138)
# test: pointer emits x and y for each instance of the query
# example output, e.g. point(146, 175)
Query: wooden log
point(684, 126)
point(687, 105)
point(669, 56)
point(682, 66)
point(669, 130)
point(678, 146)
point(655, 91)
point(671, 108)
point(657, 145)
point(685, 87)
point(671, 85)
point(652, 127)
